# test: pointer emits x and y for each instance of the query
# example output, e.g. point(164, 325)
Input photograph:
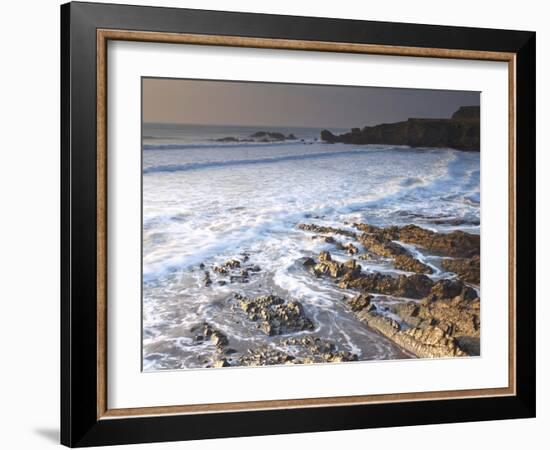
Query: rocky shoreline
point(442, 318)
point(428, 316)
point(460, 132)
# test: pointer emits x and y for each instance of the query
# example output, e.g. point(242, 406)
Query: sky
point(279, 104)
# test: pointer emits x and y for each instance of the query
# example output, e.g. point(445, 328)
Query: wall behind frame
point(29, 237)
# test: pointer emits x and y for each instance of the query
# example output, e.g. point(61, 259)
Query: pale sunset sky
point(277, 104)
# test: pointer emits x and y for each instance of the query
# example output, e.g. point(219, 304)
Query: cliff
point(460, 132)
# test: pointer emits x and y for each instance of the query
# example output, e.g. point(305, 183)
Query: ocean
point(206, 202)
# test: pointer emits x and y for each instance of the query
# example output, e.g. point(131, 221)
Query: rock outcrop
point(206, 332)
point(231, 271)
point(460, 132)
point(325, 230)
point(381, 246)
point(260, 136)
point(275, 315)
point(413, 286)
point(361, 302)
point(443, 321)
point(427, 342)
point(269, 136)
point(306, 350)
point(416, 286)
point(410, 264)
point(334, 269)
point(457, 244)
point(457, 317)
point(467, 269)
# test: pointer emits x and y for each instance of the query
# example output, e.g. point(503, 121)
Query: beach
point(260, 251)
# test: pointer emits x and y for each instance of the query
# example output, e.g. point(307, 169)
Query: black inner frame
point(79, 423)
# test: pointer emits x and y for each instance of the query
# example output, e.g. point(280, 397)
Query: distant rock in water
point(460, 132)
point(270, 135)
point(229, 139)
point(260, 136)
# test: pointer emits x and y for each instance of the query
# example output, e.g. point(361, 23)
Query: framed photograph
point(277, 224)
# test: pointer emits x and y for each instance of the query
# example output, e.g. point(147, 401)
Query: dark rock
point(314, 344)
point(350, 248)
point(387, 234)
point(341, 356)
point(366, 228)
point(459, 132)
point(352, 267)
point(467, 112)
point(450, 289)
point(410, 264)
point(275, 315)
point(386, 326)
point(379, 245)
point(267, 136)
point(466, 269)
point(427, 342)
point(457, 317)
point(326, 266)
point(206, 279)
point(360, 302)
point(228, 139)
point(265, 357)
point(315, 350)
point(327, 136)
point(325, 230)
point(413, 286)
point(209, 333)
point(229, 267)
point(327, 239)
point(457, 243)
point(259, 136)
point(455, 222)
point(325, 257)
